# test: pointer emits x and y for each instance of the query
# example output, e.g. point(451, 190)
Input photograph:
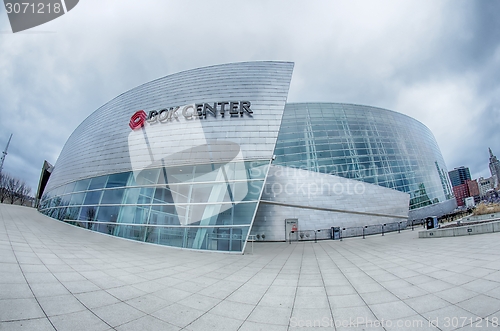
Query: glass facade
point(199, 210)
point(364, 143)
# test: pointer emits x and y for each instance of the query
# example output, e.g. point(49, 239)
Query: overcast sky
point(437, 61)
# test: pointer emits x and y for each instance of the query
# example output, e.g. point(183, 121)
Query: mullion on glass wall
point(380, 149)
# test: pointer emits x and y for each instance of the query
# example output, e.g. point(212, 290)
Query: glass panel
point(254, 189)
point(69, 188)
point(145, 195)
point(180, 174)
point(82, 185)
point(112, 196)
point(132, 195)
point(163, 195)
point(97, 182)
point(147, 177)
point(88, 213)
point(92, 198)
point(57, 191)
point(164, 215)
point(108, 213)
point(129, 232)
point(203, 193)
point(171, 236)
point(118, 180)
point(77, 198)
point(59, 213)
point(104, 228)
point(243, 213)
point(205, 172)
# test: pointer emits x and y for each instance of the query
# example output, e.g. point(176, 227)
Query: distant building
point(469, 202)
point(494, 167)
point(459, 176)
point(461, 192)
point(485, 184)
point(47, 169)
point(473, 187)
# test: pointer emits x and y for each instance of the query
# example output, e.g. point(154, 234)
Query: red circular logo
point(137, 120)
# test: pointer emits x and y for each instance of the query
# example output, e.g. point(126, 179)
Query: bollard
point(383, 226)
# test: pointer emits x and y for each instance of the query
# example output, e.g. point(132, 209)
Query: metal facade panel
point(100, 144)
point(321, 201)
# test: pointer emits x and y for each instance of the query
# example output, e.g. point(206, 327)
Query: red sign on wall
point(137, 120)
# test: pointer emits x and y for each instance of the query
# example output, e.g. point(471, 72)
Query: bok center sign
point(174, 143)
point(191, 112)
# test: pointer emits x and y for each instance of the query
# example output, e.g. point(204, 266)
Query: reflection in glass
point(364, 143)
point(202, 206)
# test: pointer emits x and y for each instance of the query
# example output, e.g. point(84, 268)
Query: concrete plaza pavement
point(55, 276)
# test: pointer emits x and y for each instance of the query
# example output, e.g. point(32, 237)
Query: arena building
point(204, 158)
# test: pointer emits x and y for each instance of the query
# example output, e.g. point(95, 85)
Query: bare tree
point(3, 186)
point(13, 185)
point(24, 193)
point(90, 217)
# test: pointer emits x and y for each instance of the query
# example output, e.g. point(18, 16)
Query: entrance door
point(335, 233)
point(291, 229)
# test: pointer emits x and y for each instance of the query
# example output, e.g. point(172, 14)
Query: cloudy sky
point(437, 61)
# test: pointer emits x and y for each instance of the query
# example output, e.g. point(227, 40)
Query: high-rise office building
point(459, 176)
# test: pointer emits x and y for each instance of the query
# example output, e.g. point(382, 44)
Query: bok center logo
point(137, 120)
point(26, 14)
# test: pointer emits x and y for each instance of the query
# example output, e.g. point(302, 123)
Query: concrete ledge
point(478, 218)
point(461, 231)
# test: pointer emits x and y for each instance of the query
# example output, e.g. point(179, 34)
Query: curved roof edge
point(354, 104)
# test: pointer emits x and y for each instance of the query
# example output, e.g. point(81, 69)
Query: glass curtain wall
point(204, 206)
point(364, 143)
